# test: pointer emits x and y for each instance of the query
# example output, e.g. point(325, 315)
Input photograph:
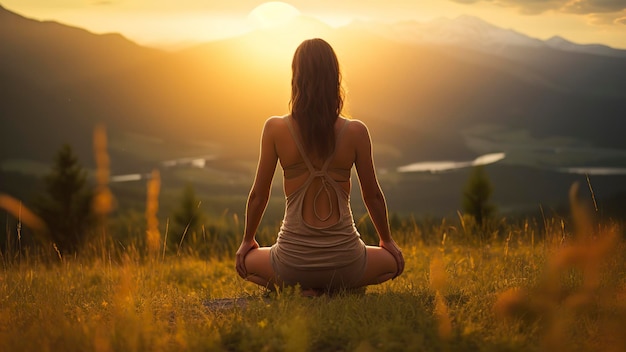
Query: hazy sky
point(170, 21)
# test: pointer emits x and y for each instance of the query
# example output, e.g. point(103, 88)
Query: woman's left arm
point(259, 194)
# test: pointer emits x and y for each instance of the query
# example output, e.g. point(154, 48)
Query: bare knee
point(259, 267)
point(380, 266)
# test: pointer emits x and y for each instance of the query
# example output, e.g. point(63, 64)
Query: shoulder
point(275, 123)
point(356, 128)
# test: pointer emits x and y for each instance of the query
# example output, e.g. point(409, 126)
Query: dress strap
point(299, 144)
point(332, 155)
point(322, 174)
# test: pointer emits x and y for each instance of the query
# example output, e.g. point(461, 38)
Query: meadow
point(514, 285)
point(553, 282)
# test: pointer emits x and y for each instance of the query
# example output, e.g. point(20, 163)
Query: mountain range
point(473, 32)
point(450, 89)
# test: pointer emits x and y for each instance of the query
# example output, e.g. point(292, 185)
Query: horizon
point(192, 22)
point(551, 109)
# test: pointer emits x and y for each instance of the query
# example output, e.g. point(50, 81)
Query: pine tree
point(187, 219)
point(477, 196)
point(66, 204)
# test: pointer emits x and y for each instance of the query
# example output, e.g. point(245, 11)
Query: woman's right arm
point(259, 194)
point(372, 194)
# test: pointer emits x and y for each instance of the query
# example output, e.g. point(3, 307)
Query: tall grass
point(529, 286)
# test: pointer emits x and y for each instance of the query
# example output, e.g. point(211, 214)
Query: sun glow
point(277, 29)
point(273, 13)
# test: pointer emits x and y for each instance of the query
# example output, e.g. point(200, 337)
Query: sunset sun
point(273, 13)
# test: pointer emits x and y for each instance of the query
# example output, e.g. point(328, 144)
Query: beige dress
point(329, 257)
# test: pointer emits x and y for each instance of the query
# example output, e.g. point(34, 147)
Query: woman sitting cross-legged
point(318, 246)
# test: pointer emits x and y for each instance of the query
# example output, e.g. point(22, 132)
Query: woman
point(318, 246)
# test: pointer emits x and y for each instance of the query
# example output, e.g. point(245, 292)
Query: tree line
point(65, 205)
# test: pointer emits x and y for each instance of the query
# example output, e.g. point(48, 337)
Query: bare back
point(318, 203)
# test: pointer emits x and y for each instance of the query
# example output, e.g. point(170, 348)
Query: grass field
point(518, 287)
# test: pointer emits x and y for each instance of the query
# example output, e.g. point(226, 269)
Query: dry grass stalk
point(19, 211)
point(438, 280)
point(103, 198)
point(153, 236)
point(559, 304)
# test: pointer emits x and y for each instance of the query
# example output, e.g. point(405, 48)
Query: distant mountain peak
point(473, 20)
point(465, 30)
point(560, 43)
point(557, 39)
point(475, 33)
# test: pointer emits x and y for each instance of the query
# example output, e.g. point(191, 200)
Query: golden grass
point(508, 295)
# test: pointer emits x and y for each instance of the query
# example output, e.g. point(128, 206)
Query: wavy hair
point(316, 95)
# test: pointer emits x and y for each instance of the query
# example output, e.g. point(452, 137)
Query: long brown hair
point(316, 95)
